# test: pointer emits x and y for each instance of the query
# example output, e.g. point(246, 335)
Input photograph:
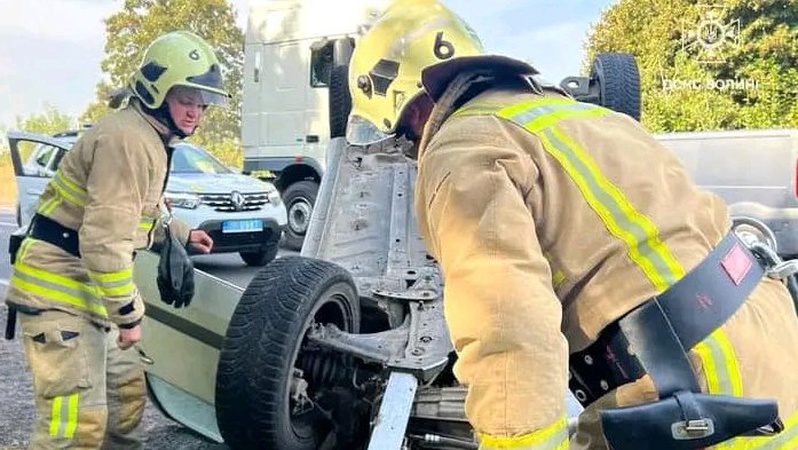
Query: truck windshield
point(190, 159)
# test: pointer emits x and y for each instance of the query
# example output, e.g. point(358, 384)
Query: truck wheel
point(265, 255)
point(619, 81)
point(299, 199)
point(261, 401)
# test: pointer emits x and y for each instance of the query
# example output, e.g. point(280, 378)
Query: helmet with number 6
point(178, 58)
point(385, 69)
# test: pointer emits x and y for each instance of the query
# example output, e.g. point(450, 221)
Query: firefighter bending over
point(576, 253)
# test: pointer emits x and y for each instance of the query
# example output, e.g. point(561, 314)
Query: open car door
point(35, 158)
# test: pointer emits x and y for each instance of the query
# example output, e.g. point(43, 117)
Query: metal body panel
point(364, 219)
point(184, 345)
point(754, 171)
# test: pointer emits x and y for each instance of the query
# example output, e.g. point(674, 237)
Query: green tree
point(129, 31)
point(728, 66)
point(50, 121)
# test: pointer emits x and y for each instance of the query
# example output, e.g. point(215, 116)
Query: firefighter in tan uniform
point(72, 284)
point(576, 254)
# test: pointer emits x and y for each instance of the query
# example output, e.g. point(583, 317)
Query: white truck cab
point(295, 93)
point(296, 96)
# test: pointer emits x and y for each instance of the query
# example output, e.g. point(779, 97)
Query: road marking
point(3, 282)
point(8, 224)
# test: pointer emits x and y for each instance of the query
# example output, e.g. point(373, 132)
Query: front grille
point(224, 202)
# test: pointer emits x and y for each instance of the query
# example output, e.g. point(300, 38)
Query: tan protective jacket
point(551, 219)
point(109, 188)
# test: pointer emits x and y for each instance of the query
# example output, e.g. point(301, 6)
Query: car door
point(35, 158)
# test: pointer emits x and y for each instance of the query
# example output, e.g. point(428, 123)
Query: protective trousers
point(89, 393)
point(752, 355)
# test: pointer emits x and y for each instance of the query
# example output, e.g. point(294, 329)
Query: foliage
point(50, 121)
point(129, 32)
point(747, 78)
point(228, 150)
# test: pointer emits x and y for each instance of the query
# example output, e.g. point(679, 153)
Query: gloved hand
point(175, 273)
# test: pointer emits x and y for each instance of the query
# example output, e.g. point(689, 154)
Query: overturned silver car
point(344, 346)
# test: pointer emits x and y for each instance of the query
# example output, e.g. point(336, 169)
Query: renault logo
point(237, 200)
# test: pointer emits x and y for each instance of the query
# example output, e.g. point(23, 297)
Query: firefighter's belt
point(653, 339)
point(48, 230)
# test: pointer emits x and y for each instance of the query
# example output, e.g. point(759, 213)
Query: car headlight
point(182, 200)
point(274, 197)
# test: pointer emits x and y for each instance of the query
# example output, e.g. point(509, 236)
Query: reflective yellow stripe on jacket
point(148, 220)
point(553, 437)
point(114, 284)
point(786, 440)
point(66, 190)
point(55, 287)
point(723, 377)
point(540, 117)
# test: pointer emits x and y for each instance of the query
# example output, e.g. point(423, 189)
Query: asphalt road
point(16, 396)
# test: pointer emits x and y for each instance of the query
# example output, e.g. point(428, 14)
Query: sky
point(50, 50)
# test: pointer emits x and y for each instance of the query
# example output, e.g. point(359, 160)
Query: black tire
point(264, 256)
point(262, 344)
point(299, 199)
point(340, 101)
point(619, 81)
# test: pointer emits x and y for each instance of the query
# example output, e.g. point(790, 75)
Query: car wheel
point(270, 384)
point(299, 199)
point(264, 256)
point(340, 101)
point(619, 81)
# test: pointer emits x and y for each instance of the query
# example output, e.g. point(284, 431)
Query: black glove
point(175, 273)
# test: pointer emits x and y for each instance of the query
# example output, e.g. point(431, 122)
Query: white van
point(295, 93)
point(754, 171)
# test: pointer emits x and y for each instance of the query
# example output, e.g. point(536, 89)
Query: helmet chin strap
point(163, 115)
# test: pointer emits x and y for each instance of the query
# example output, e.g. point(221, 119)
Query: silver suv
point(241, 213)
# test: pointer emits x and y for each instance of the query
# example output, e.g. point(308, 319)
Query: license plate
point(242, 226)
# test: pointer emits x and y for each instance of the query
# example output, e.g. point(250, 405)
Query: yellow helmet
point(386, 65)
point(179, 58)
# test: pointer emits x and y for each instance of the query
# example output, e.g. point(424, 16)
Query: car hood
point(215, 183)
